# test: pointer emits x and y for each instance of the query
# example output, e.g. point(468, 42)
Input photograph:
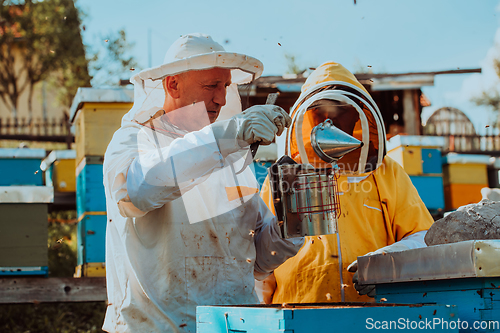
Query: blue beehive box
point(263, 159)
point(91, 235)
point(431, 191)
point(91, 211)
point(464, 274)
point(21, 166)
point(431, 161)
point(417, 154)
point(260, 170)
point(90, 195)
point(477, 299)
point(327, 317)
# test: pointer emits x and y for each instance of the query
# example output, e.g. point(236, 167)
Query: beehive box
point(418, 155)
point(92, 219)
point(23, 229)
point(464, 176)
point(91, 270)
point(90, 195)
point(263, 159)
point(21, 166)
point(327, 317)
point(59, 167)
point(457, 195)
point(465, 274)
point(494, 173)
point(96, 115)
point(431, 161)
point(260, 170)
point(476, 299)
point(430, 190)
point(91, 235)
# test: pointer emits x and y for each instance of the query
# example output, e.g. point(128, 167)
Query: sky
point(391, 36)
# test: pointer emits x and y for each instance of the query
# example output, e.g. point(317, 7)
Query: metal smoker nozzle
point(331, 143)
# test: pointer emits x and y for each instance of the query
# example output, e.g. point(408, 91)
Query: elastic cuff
point(225, 135)
point(260, 276)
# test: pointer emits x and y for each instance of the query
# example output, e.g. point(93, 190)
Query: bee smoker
point(306, 199)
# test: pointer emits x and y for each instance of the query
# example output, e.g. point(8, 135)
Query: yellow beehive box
point(410, 158)
point(457, 195)
point(466, 169)
point(407, 151)
point(91, 269)
point(96, 115)
point(59, 167)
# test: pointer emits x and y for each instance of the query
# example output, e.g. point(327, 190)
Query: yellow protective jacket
point(379, 204)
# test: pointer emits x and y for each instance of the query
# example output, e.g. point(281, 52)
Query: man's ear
point(171, 86)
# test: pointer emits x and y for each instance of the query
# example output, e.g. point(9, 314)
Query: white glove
point(412, 241)
point(261, 123)
point(369, 289)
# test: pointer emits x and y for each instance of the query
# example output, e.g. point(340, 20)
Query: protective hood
point(191, 52)
point(331, 81)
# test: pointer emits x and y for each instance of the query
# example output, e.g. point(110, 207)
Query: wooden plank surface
point(36, 289)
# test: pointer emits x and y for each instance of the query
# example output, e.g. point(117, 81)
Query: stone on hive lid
point(472, 222)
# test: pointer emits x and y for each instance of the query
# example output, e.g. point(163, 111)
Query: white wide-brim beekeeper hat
point(191, 52)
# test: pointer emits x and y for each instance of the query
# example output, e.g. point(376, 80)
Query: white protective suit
point(183, 229)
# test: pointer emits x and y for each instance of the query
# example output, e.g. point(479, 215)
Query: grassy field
point(84, 317)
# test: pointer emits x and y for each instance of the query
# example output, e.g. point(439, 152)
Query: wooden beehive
point(92, 219)
point(91, 270)
point(96, 115)
point(59, 167)
point(494, 173)
point(464, 176)
point(91, 235)
point(90, 195)
point(464, 274)
point(21, 166)
point(420, 157)
point(430, 189)
point(23, 225)
point(326, 317)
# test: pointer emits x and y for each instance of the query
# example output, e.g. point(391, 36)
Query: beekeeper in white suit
point(185, 226)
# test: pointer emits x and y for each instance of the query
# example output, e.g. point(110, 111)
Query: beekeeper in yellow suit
point(381, 210)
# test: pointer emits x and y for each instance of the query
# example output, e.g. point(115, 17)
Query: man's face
point(208, 86)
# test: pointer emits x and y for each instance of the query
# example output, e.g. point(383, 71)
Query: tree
point(293, 67)
point(113, 61)
point(491, 97)
point(38, 39)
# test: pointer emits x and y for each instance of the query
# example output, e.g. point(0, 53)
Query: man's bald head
point(208, 86)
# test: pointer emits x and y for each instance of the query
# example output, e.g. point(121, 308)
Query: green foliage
point(62, 244)
point(292, 66)
point(491, 97)
point(112, 60)
point(38, 39)
point(41, 41)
